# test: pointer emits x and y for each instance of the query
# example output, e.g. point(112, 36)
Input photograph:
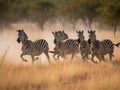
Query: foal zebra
point(65, 47)
point(84, 45)
point(101, 48)
point(32, 48)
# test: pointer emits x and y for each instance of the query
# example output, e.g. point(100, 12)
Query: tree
point(110, 13)
point(4, 12)
point(74, 10)
point(41, 11)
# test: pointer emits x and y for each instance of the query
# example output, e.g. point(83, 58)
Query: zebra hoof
point(24, 60)
point(105, 60)
point(36, 58)
point(56, 59)
point(94, 62)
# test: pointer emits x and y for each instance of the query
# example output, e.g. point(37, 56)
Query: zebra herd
point(65, 46)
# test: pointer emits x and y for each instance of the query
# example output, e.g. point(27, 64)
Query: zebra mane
point(25, 34)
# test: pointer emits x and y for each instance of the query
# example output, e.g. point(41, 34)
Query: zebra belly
point(85, 50)
point(36, 52)
point(31, 51)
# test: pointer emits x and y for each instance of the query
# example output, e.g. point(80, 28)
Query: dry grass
point(74, 75)
point(64, 75)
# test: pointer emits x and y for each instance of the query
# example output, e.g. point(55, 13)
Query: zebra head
point(59, 36)
point(63, 35)
point(21, 36)
point(92, 36)
point(80, 36)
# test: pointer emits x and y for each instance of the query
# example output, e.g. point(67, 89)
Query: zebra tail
point(118, 44)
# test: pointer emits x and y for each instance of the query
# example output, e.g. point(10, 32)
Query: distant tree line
point(106, 12)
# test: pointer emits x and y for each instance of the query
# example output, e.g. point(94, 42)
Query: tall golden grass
point(75, 75)
point(66, 75)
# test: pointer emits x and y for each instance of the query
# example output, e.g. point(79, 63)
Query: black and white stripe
point(65, 47)
point(84, 45)
point(32, 48)
point(101, 48)
point(59, 36)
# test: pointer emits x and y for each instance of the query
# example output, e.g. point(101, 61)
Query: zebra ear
point(59, 31)
point(62, 31)
point(53, 33)
point(22, 30)
point(17, 30)
point(77, 32)
point(82, 31)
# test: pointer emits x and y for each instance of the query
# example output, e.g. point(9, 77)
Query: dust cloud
point(9, 37)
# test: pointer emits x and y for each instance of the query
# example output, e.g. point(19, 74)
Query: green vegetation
point(41, 11)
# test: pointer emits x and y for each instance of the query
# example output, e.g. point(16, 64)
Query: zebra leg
point(86, 56)
point(98, 57)
point(82, 56)
point(63, 56)
point(110, 57)
point(72, 56)
point(46, 53)
point(55, 55)
point(103, 58)
point(33, 59)
point(58, 57)
point(36, 58)
point(93, 55)
point(22, 57)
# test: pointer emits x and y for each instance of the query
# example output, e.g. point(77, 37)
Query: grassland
point(65, 75)
point(76, 75)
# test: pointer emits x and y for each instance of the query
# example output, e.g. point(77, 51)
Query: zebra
point(32, 48)
point(65, 47)
point(61, 36)
point(101, 48)
point(84, 45)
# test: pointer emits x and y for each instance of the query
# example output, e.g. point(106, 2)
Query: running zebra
point(84, 45)
point(32, 48)
point(61, 36)
point(101, 48)
point(65, 47)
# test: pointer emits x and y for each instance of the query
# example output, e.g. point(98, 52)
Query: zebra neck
point(58, 44)
point(83, 41)
point(26, 44)
point(96, 41)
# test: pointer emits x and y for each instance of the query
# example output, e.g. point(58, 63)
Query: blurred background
point(40, 17)
point(92, 13)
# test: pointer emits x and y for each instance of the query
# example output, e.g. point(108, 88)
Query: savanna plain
point(58, 75)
